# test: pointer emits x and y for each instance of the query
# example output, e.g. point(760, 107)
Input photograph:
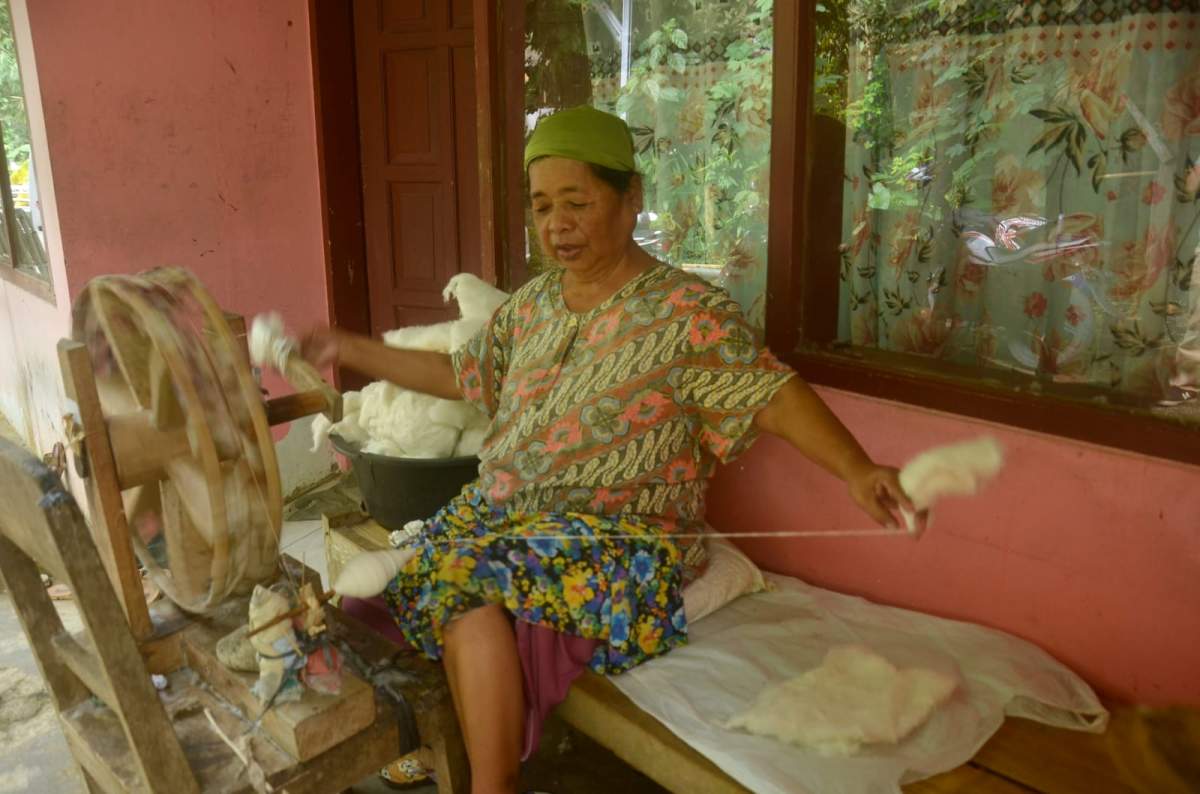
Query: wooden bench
point(1023, 756)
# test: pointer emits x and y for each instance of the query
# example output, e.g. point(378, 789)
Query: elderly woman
point(614, 383)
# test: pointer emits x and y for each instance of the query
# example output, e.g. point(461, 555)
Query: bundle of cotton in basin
point(385, 419)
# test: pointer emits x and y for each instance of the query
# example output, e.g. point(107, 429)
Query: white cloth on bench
point(769, 637)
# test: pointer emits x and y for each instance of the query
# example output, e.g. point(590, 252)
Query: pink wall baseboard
point(1091, 553)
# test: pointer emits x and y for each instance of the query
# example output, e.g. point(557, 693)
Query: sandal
point(406, 773)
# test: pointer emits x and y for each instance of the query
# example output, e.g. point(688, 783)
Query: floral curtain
point(1023, 188)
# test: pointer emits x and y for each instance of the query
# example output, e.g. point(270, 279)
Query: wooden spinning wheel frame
point(176, 442)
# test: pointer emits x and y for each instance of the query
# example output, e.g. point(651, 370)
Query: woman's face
point(582, 222)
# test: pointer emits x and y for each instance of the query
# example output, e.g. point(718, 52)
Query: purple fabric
point(374, 612)
point(550, 662)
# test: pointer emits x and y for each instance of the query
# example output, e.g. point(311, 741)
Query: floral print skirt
point(559, 570)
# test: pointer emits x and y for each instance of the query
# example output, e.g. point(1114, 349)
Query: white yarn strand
point(416, 540)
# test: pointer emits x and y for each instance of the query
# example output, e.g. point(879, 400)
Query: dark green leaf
point(1050, 138)
point(925, 252)
point(1074, 154)
point(1021, 74)
point(1183, 278)
point(1182, 193)
point(1099, 165)
point(1166, 308)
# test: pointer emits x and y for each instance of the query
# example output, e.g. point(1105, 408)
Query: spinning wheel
point(184, 437)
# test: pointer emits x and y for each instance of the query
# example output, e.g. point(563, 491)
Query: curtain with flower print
point(1023, 188)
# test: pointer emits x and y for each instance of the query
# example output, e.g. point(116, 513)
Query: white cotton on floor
point(854, 697)
point(385, 419)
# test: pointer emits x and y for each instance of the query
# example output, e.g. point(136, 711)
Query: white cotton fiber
point(386, 448)
point(951, 470)
point(455, 413)
point(321, 428)
point(401, 423)
point(388, 420)
point(432, 441)
point(476, 298)
point(855, 697)
point(268, 342)
point(366, 575)
point(471, 441)
point(421, 337)
point(463, 330)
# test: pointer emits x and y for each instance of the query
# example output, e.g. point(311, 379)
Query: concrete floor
point(33, 752)
point(34, 758)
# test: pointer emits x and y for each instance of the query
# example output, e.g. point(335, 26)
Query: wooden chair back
point(41, 527)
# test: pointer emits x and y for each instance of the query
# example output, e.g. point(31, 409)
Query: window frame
point(801, 316)
point(9, 271)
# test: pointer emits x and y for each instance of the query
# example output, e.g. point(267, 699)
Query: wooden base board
point(304, 728)
point(99, 744)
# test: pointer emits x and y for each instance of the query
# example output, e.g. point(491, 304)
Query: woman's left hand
point(876, 489)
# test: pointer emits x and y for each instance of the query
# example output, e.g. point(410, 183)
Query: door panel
point(421, 223)
point(404, 15)
point(416, 100)
point(460, 13)
point(415, 103)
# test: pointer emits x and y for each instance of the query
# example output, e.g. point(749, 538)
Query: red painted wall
point(1091, 553)
point(183, 133)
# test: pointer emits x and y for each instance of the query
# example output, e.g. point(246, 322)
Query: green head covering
point(585, 134)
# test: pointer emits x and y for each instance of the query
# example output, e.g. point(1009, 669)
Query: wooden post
point(499, 110)
point(237, 326)
point(489, 99)
point(110, 527)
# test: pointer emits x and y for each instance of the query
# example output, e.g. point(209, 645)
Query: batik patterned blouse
point(624, 409)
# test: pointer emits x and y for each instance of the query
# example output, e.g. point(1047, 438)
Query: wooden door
point(416, 105)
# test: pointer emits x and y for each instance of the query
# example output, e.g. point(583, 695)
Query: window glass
point(1021, 188)
point(692, 78)
point(23, 229)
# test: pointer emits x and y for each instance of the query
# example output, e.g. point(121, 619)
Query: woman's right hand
point(321, 347)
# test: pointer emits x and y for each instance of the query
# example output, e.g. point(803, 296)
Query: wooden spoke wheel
point(201, 484)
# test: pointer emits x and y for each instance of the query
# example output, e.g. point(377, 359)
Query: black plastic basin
point(399, 490)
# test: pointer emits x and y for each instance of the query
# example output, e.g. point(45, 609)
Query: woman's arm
point(419, 370)
point(799, 416)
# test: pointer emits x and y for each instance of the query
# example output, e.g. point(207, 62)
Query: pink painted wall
point(182, 132)
point(1091, 553)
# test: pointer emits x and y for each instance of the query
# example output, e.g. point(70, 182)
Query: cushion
point(729, 574)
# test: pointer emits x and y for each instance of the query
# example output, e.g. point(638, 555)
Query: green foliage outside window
point(12, 94)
